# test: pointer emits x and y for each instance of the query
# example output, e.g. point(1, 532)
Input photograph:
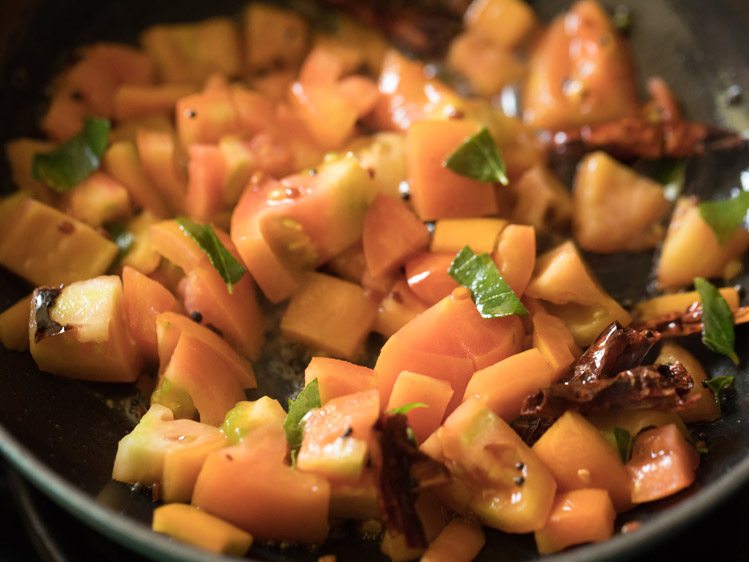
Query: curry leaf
point(623, 443)
point(718, 385)
point(478, 158)
point(407, 408)
point(717, 320)
point(71, 163)
point(226, 264)
point(726, 215)
point(492, 295)
point(308, 399)
point(671, 173)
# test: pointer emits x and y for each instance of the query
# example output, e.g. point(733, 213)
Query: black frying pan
point(62, 434)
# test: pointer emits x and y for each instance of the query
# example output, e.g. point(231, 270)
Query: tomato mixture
point(226, 174)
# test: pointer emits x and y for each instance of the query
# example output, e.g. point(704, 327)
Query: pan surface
point(62, 434)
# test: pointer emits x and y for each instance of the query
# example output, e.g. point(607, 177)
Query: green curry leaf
point(624, 441)
point(226, 264)
point(71, 163)
point(671, 173)
point(492, 295)
point(407, 408)
point(718, 385)
point(478, 158)
point(308, 399)
point(726, 215)
point(717, 320)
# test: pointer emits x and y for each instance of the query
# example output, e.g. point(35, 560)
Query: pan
point(62, 435)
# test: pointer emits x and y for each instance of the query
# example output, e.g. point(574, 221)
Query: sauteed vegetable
point(293, 173)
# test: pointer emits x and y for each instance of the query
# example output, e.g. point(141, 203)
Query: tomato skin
point(336, 437)
point(238, 315)
point(427, 276)
point(326, 112)
point(144, 299)
point(192, 369)
point(448, 341)
point(338, 378)
point(515, 256)
point(410, 388)
point(662, 464)
point(206, 171)
point(142, 453)
point(500, 387)
point(273, 277)
point(397, 308)
point(578, 517)
point(408, 96)
point(391, 234)
point(276, 502)
point(495, 475)
point(580, 457)
point(169, 329)
point(580, 73)
point(436, 191)
point(309, 218)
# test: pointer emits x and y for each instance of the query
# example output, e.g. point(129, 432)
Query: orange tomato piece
point(552, 338)
point(516, 256)
point(412, 387)
point(397, 308)
point(391, 234)
point(580, 457)
point(338, 378)
point(436, 191)
point(167, 239)
point(326, 111)
point(361, 92)
point(337, 436)
point(448, 341)
point(192, 368)
point(700, 402)
point(580, 73)
point(206, 169)
point(427, 276)
point(122, 162)
point(460, 541)
point(133, 101)
point(495, 475)
point(237, 314)
point(407, 95)
point(505, 385)
point(272, 276)
point(662, 463)
point(329, 314)
point(157, 153)
point(144, 299)
point(278, 503)
point(169, 328)
point(577, 517)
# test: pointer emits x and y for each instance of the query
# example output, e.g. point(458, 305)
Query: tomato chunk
point(662, 464)
point(494, 474)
